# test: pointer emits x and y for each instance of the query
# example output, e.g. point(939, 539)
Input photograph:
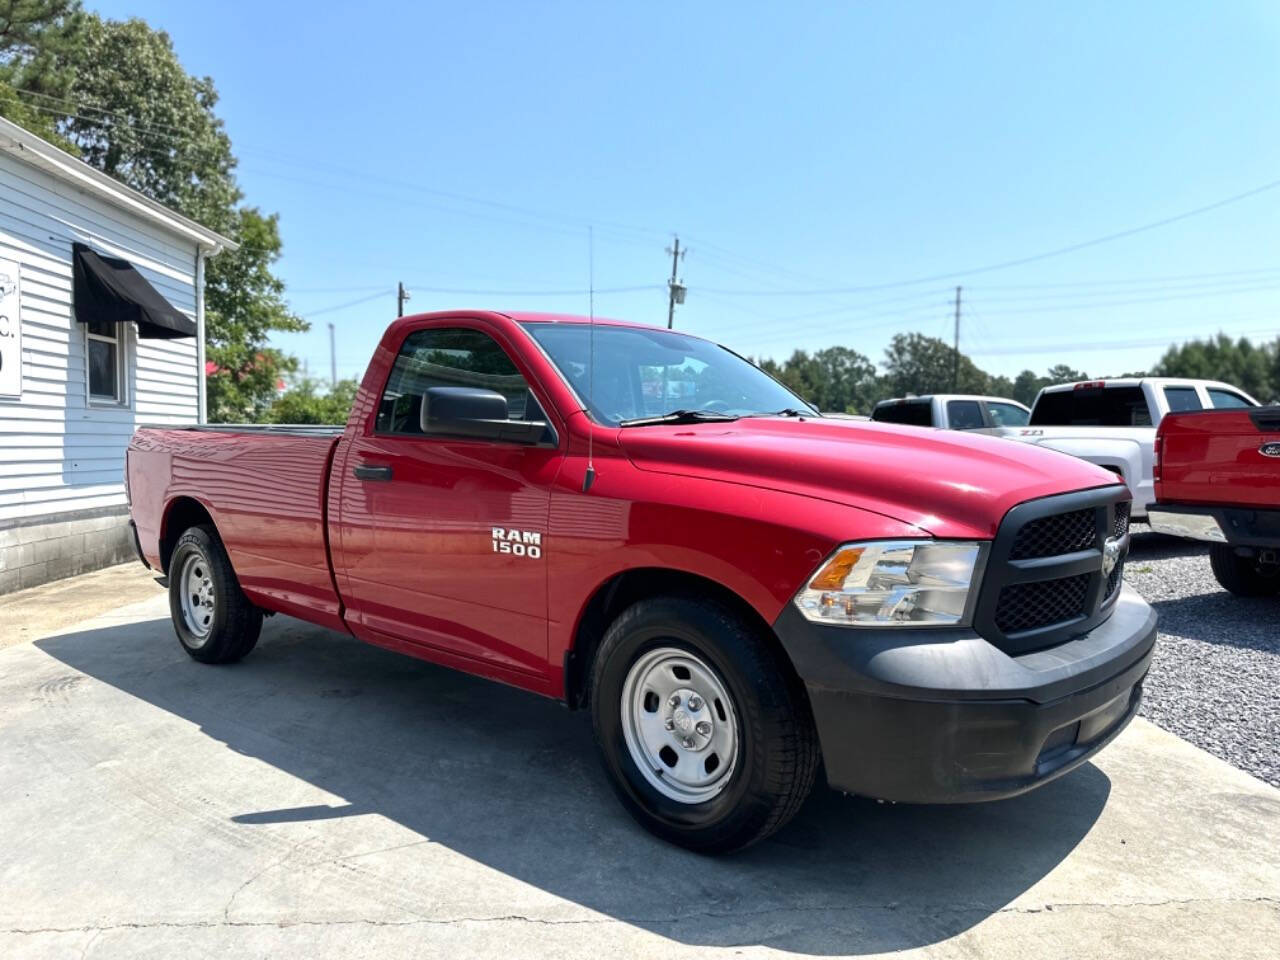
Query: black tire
point(1243, 576)
point(234, 623)
point(777, 753)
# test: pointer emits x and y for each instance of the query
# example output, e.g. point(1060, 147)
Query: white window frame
point(121, 341)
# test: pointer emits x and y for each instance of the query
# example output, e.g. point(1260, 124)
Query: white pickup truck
point(953, 411)
point(1113, 422)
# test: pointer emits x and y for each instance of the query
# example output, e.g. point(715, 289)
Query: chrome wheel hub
point(679, 724)
point(196, 581)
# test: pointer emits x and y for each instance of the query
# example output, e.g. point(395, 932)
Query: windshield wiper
point(785, 412)
point(680, 416)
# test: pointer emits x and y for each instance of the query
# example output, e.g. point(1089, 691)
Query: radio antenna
point(590, 476)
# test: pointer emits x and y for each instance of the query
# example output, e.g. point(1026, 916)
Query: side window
point(1007, 415)
point(964, 415)
point(449, 358)
point(1226, 399)
point(106, 351)
point(1182, 399)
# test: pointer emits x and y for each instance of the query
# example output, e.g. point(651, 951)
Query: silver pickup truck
point(1113, 422)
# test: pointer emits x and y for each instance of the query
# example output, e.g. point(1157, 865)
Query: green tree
point(1238, 362)
point(918, 364)
point(1061, 373)
point(244, 303)
point(34, 81)
point(835, 380)
point(308, 401)
point(1026, 385)
point(141, 118)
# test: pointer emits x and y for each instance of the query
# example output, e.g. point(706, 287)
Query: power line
point(534, 293)
point(1225, 287)
point(343, 306)
point(1036, 348)
point(161, 132)
point(1130, 280)
point(1081, 307)
point(1033, 258)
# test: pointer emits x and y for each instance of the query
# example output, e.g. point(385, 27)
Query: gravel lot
point(1216, 676)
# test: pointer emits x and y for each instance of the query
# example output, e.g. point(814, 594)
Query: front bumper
point(1239, 526)
point(943, 716)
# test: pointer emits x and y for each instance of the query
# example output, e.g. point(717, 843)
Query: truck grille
point(1044, 582)
point(1029, 606)
point(1120, 527)
point(1055, 535)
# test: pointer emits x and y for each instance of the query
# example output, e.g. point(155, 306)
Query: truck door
point(443, 536)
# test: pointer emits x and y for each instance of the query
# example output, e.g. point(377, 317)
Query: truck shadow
point(511, 781)
point(1146, 545)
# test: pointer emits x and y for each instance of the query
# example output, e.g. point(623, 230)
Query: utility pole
point(401, 296)
point(675, 288)
point(955, 356)
point(333, 360)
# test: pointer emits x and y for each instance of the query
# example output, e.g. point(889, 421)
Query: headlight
point(893, 583)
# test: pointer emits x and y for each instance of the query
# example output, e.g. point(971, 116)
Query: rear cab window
point(964, 415)
point(1092, 407)
point(1182, 399)
point(1007, 414)
point(912, 413)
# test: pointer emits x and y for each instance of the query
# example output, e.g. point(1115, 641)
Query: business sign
point(10, 332)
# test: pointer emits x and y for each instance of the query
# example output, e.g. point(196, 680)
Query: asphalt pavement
point(324, 798)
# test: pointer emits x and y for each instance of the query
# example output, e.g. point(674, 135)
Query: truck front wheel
point(1243, 576)
point(214, 620)
point(704, 730)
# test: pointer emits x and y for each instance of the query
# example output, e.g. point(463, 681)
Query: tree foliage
point(115, 93)
point(308, 401)
point(34, 36)
point(1255, 369)
point(918, 364)
point(840, 379)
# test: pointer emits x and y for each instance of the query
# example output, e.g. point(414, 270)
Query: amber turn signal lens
point(834, 574)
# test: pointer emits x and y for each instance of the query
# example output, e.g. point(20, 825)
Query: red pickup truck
point(641, 523)
point(1217, 479)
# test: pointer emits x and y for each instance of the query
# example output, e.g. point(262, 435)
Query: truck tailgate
point(1220, 457)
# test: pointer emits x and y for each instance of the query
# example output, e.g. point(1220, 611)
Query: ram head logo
point(1110, 556)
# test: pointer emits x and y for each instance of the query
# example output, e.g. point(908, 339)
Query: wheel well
point(183, 514)
point(621, 591)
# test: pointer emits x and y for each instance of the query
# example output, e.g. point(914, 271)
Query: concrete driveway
point(328, 799)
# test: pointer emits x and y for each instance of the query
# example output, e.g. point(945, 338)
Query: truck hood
point(947, 483)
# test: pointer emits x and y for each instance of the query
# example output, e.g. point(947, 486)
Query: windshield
point(641, 373)
point(1092, 407)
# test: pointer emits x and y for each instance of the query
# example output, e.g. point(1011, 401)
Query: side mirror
point(475, 413)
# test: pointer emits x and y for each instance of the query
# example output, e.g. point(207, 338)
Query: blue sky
point(796, 148)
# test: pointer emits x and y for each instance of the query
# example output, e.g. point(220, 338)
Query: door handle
point(365, 471)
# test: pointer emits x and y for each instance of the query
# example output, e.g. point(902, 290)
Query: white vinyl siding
point(58, 451)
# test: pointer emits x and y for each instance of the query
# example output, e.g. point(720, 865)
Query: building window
point(106, 352)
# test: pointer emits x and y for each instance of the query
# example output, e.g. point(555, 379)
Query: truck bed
point(266, 490)
point(1215, 457)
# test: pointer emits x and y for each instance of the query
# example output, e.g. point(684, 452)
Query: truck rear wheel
point(1243, 576)
point(704, 731)
point(214, 620)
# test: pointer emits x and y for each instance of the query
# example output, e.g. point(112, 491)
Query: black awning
point(110, 290)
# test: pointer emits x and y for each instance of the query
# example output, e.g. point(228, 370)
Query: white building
point(79, 372)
